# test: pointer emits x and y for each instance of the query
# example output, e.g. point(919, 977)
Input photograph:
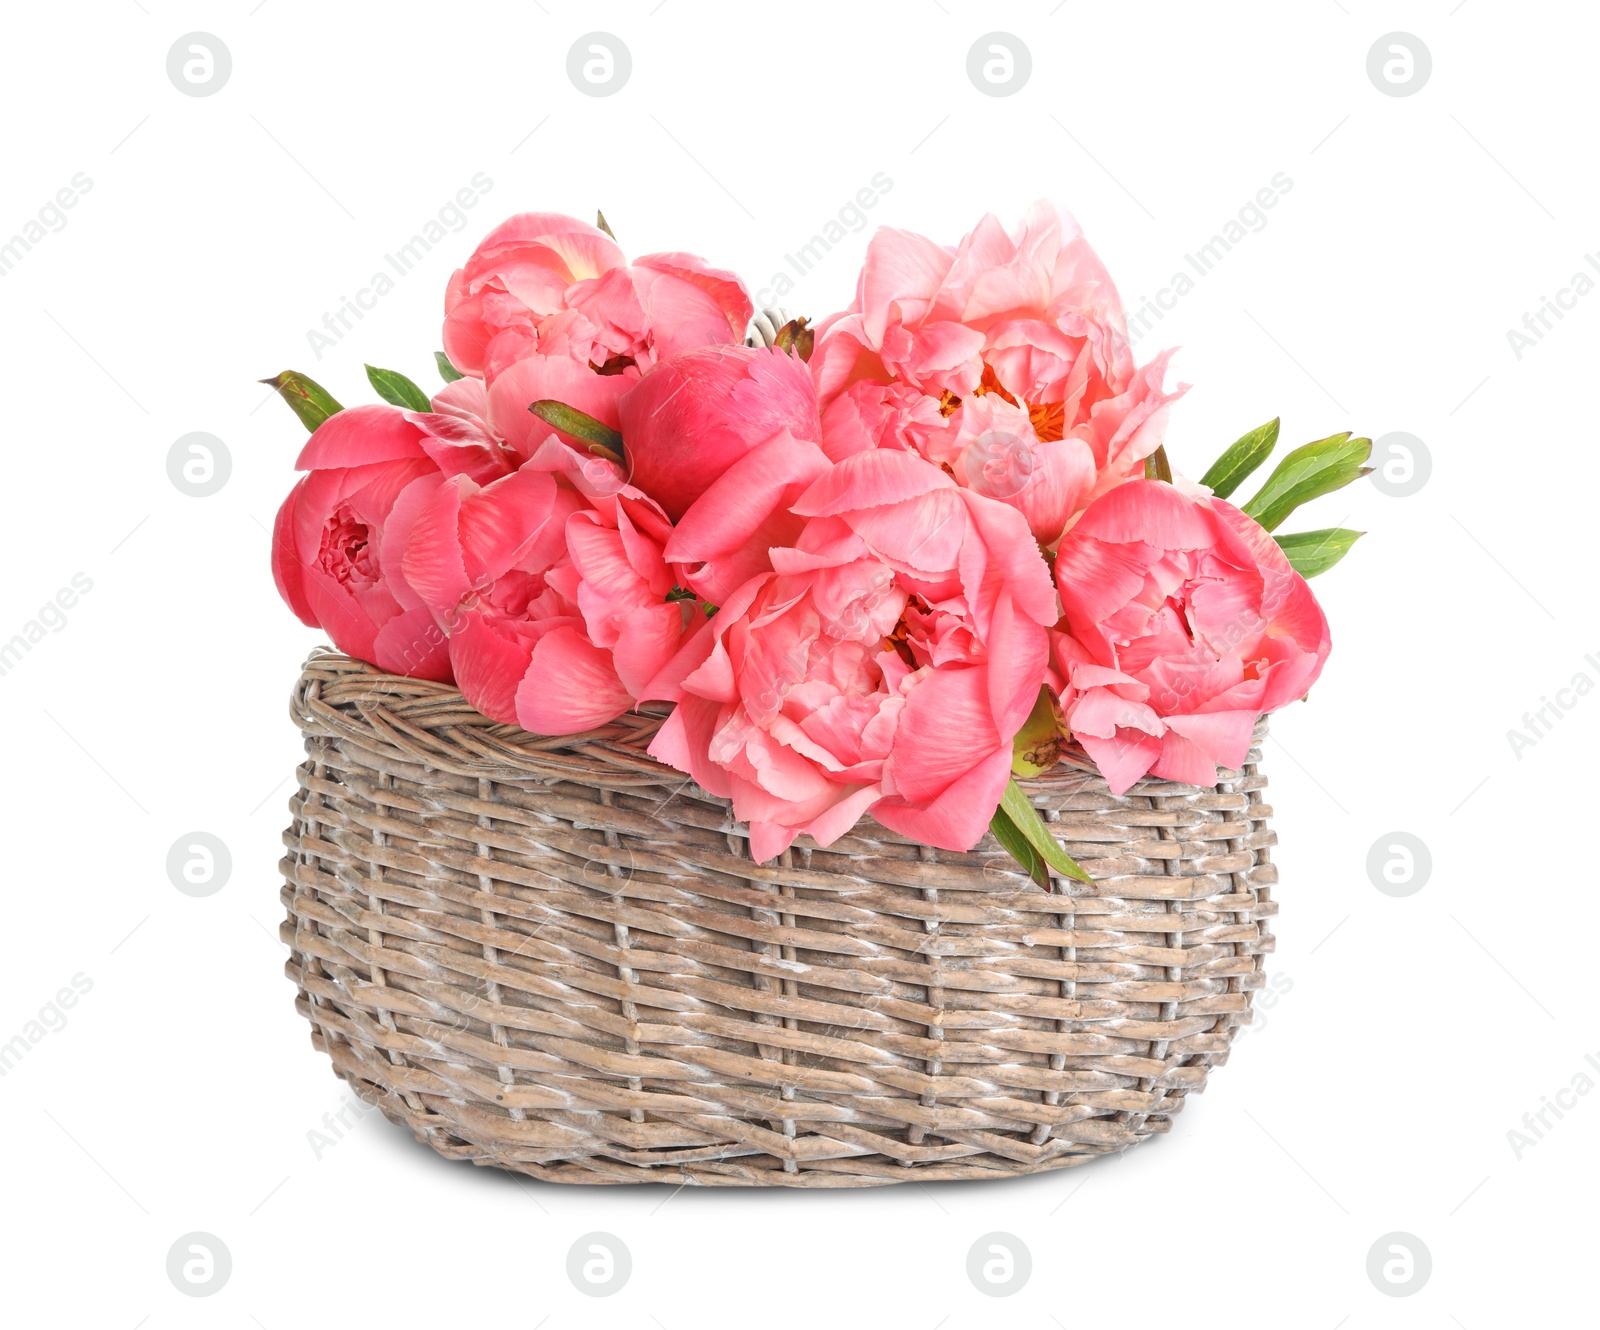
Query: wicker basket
point(555, 956)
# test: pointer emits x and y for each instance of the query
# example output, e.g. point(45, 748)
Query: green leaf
point(307, 398)
point(600, 221)
point(1307, 473)
point(1037, 746)
point(448, 372)
point(1231, 469)
point(1014, 803)
point(1157, 467)
point(397, 390)
point(1313, 552)
point(1019, 847)
point(600, 437)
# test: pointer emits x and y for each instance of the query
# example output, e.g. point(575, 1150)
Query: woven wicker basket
point(555, 956)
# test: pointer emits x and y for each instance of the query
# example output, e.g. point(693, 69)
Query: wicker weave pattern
point(555, 956)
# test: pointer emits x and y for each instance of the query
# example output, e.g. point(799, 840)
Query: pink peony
point(550, 584)
point(883, 661)
point(1184, 624)
point(542, 283)
point(694, 415)
point(1005, 361)
point(328, 555)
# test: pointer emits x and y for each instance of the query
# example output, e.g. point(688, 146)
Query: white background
point(1409, 1036)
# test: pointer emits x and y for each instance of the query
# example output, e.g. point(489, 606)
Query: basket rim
point(434, 725)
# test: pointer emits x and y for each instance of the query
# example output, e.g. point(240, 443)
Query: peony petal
point(553, 378)
point(360, 436)
point(432, 563)
point(286, 569)
point(959, 817)
point(1123, 758)
point(683, 741)
point(1222, 736)
point(571, 686)
point(490, 659)
point(947, 727)
point(871, 480)
point(414, 645)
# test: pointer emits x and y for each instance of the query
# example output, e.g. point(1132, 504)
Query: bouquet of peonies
point(884, 565)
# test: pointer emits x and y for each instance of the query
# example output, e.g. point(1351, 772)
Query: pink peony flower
point(1005, 361)
point(542, 283)
point(1184, 623)
point(550, 584)
point(883, 661)
point(696, 414)
point(328, 555)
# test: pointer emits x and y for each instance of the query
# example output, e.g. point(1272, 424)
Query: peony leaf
point(448, 372)
point(1230, 470)
point(307, 398)
point(1313, 552)
point(1307, 473)
point(1037, 746)
point(1015, 804)
point(600, 437)
point(397, 390)
point(1157, 467)
point(1019, 847)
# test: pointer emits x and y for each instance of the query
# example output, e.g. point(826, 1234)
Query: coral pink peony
point(1005, 361)
point(696, 414)
point(328, 554)
point(550, 584)
point(542, 283)
point(883, 663)
point(1184, 623)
